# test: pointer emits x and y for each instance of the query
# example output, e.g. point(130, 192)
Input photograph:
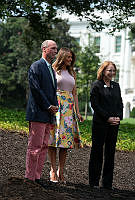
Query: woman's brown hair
point(102, 68)
point(60, 61)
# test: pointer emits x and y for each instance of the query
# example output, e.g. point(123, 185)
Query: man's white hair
point(45, 43)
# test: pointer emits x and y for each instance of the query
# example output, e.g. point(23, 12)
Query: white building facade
point(115, 48)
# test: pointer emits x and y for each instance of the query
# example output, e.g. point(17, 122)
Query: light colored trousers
point(37, 149)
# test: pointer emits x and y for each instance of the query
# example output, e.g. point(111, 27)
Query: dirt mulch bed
point(13, 187)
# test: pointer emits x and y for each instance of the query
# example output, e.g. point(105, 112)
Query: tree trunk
point(86, 103)
point(27, 93)
point(86, 107)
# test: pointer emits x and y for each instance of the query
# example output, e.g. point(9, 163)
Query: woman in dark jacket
point(107, 104)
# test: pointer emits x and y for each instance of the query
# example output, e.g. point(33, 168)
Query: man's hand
point(53, 109)
point(114, 120)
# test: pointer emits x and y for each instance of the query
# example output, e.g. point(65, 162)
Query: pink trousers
point(37, 149)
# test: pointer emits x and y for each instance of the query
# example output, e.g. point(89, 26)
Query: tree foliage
point(87, 65)
point(93, 10)
point(132, 113)
point(20, 47)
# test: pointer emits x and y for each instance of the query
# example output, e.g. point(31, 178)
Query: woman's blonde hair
point(60, 61)
point(102, 68)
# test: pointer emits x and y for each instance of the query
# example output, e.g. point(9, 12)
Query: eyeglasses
point(111, 71)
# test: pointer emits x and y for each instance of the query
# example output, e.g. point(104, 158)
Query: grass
point(126, 135)
point(14, 120)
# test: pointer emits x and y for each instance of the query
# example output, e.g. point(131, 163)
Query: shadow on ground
point(19, 189)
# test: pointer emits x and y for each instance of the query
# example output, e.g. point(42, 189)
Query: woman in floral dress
point(65, 133)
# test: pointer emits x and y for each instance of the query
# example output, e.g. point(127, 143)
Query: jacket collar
point(43, 61)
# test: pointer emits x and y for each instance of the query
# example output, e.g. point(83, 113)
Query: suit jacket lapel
point(55, 81)
point(48, 72)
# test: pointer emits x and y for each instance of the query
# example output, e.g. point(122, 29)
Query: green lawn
point(14, 120)
point(126, 136)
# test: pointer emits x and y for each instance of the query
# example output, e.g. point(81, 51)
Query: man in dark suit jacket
point(41, 107)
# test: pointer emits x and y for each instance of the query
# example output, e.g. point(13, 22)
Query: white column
point(127, 63)
point(132, 81)
point(122, 60)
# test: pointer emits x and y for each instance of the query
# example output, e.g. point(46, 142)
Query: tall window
point(97, 44)
point(118, 44)
point(117, 76)
point(78, 40)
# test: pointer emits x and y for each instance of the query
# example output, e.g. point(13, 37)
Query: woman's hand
point(114, 120)
point(80, 117)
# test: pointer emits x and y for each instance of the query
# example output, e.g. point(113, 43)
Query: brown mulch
point(13, 187)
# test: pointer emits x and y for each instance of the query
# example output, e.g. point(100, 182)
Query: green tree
point(20, 47)
point(15, 57)
point(87, 65)
point(60, 33)
point(119, 11)
point(132, 113)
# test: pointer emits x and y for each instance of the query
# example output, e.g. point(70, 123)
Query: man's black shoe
point(94, 186)
point(107, 188)
point(26, 180)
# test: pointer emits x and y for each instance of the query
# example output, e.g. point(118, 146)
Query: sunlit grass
point(126, 135)
point(14, 120)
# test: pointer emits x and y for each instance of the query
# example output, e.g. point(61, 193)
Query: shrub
point(132, 113)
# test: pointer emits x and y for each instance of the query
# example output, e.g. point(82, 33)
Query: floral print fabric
point(65, 132)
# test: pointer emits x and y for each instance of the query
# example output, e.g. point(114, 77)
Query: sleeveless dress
point(65, 132)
